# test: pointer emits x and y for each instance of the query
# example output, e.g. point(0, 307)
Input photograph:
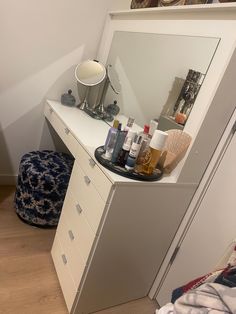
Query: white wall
point(41, 42)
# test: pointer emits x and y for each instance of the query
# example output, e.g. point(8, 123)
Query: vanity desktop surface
point(90, 134)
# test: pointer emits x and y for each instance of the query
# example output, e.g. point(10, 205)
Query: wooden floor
point(28, 282)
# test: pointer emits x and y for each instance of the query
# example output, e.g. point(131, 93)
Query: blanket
point(209, 298)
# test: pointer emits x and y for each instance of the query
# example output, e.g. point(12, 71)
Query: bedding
point(213, 293)
point(212, 298)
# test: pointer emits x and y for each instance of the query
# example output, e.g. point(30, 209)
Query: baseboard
point(8, 179)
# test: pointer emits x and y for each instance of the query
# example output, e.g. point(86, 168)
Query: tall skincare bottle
point(133, 153)
point(121, 135)
point(111, 130)
point(153, 126)
point(124, 152)
point(129, 124)
point(153, 153)
point(145, 139)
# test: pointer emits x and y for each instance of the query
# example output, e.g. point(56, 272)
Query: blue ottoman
point(42, 183)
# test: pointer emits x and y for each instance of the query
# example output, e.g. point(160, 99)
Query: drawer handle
point(67, 131)
point(64, 259)
point(92, 162)
point(79, 209)
point(87, 180)
point(71, 235)
point(51, 110)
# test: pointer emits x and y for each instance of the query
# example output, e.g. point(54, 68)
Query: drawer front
point(90, 167)
point(86, 196)
point(66, 282)
point(77, 223)
point(68, 240)
point(64, 133)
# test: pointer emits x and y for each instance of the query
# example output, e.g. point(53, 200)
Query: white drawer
point(66, 282)
point(86, 196)
point(77, 223)
point(90, 167)
point(64, 133)
point(68, 239)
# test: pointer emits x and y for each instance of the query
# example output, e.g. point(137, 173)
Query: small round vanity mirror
point(89, 73)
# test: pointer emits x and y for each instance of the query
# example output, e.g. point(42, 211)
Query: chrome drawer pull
point(79, 209)
point(67, 131)
point(92, 162)
point(51, 110)
point(71, 235)
point(64, 259)
point(87, 180)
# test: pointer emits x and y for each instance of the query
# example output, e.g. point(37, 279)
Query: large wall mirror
point(152, 69)
point(152, 53)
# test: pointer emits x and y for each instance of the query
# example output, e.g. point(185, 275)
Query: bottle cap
point(116, 124)
point(158, 140)
point(146, 129)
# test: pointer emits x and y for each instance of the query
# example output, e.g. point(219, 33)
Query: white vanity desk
point(113, 232)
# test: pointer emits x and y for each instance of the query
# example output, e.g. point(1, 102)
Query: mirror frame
point(214, 20)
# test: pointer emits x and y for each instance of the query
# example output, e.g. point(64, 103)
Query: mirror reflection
point(152, 71)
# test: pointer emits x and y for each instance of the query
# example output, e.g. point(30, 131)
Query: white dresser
point(113, 232)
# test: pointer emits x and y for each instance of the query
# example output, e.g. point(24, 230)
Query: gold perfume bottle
point(153, 153)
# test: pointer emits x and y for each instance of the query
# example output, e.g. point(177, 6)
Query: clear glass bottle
point(153, 153)
point(124, 152)
point(144, 143)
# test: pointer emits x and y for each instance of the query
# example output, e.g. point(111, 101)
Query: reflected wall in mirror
point(152, 69)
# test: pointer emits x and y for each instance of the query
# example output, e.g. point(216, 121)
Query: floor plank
point(28, 281)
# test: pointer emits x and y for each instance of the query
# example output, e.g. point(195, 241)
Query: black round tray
point(99, 155)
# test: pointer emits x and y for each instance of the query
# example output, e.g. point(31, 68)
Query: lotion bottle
point(121, 135)
point(113, 133)
point(133, 153)
point(111, 130)
point(153, 153)
point(129, 124)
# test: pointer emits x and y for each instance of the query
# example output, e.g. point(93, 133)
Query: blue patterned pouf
point(42, 183)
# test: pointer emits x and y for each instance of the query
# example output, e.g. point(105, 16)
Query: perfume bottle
point(145, 139)
point(124, 152)
point(153, 153)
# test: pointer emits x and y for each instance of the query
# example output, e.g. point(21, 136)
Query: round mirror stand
point(91, 73)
